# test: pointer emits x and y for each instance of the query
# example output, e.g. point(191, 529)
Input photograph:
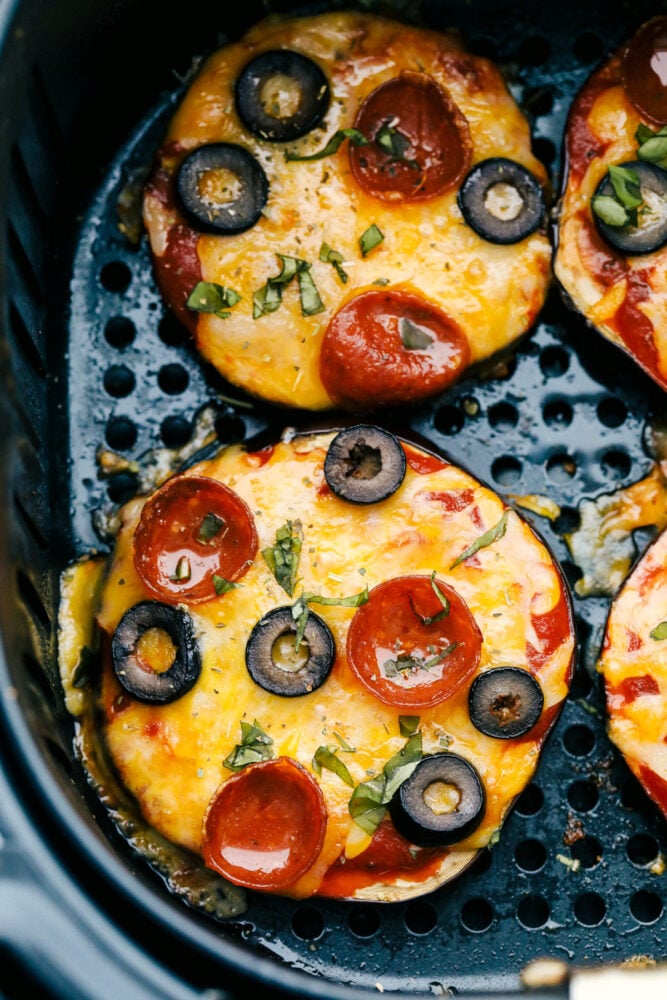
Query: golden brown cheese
point(623, 296)
point(634, 666)
point(491, 293)
point(170, 756)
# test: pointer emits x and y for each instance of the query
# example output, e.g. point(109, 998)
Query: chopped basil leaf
point(209, 528)
point(403, 663)
point(311, 303)
point(335, 258)
point(644, 133)
point(356, 137)
point(432, 619)
point(182, 571)
point(625, 183)
point(392, 141)
point(209, 297)
point(659, 632)
point(652, 146)
point(269, 297)
point(408, 724)
point(344, 745)
point(324, 757)
point(283, 557)
point(609, 210)
point(488, 538)
point(222, 586)
point(300, 608)
point(255, 745)
point(367, 805)
point(370, 239)
point(413, 337)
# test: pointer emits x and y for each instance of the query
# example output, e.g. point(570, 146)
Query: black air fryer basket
point(90, 359)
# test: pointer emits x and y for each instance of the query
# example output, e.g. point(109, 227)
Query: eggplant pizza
point(329, 665)
point(612, 237)
point(345, 211)
point(633, 664)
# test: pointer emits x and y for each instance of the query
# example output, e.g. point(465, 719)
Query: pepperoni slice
point(419, 141)
point(644, 70)
point(406, 649)
point(194, 536)
point(265, 826)
point(390, 346)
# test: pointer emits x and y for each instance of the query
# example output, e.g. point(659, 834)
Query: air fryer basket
point(91, 359)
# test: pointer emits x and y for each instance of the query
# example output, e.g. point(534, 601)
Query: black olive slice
point(441, 802)
point(222, 188)
point(274, 662)
point(502, 201)
point(281, 95)
point(364, 464)
point(134, 672)
point(650, 233)
point(505, 702)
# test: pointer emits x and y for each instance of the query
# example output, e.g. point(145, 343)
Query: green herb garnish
point(283, 557)
point(408, 724)
point(432, 619)
point(659, 632)
point(255, 746)
point(222, 586)
point(344, 745)
point(335, 258)
point(413, 337)
point(488, 538)
point(652, 146)
point(208, 297)
point(609, 210)
point(209, 528)
point(404, 662)
point(356, 137)
point(269, 297)
point(182, 571)
point(326, 757)
point(620, 209)
point(300, 608)
point(368, 802)
point(370, 239)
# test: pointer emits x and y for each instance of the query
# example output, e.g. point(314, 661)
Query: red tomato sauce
point(453, 501)
point(605, 264)
point(582, 144)
point(635, 328)
point(654, 785)
point(542, 726)
point(629, 689)
point(552, 629)
point(423, 463)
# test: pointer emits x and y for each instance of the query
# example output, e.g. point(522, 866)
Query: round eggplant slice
point(222, 188)
point(149, 635)
point(650, 233)
point(441, 802)
point(364, 464)
point(505, 702)
point(502, 201)
point(281, 95)
point(274, 662)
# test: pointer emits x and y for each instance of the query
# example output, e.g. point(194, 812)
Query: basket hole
point(567, 521)
point(477, 915)
point(616, 464)
point(645, 906)
point(538, 101)
point(171, 332)
point(534, 51)
point(530, 801)
point(530, 855)
point(633, 795)
point(121, 433)
point(115, 276)
point(561, 468)
point(308, 923)
point(572, 571)
point(579, 740)
point(642, 849)
point(503, 416)
point(119, 381)
point(533, 912)
point(588, 47)
point(554, 362)
point(611, 412)
point(557, 413)
point(583, 796)
point(173, 379)
point(122, 487)
point(506, 470)
point(31, 598)
point(448, 420)
point(483, 46)
point(229, 428)
point(481, 864)
point(545, 150)
point(581, 683)
point(120, 331)
point(364, 922)
point(175, 431)
point(589, 909)
point(587, 851)
point(421, 917)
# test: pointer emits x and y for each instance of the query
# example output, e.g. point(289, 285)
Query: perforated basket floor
point(569, 420)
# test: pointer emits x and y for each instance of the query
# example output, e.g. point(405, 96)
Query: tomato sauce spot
point(635, 328)
point(630, 689)
point(453, 501)
point(552, 629)
point(423, 463)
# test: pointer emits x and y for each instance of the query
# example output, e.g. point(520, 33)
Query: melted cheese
point(492, 292)
point(170, 756)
